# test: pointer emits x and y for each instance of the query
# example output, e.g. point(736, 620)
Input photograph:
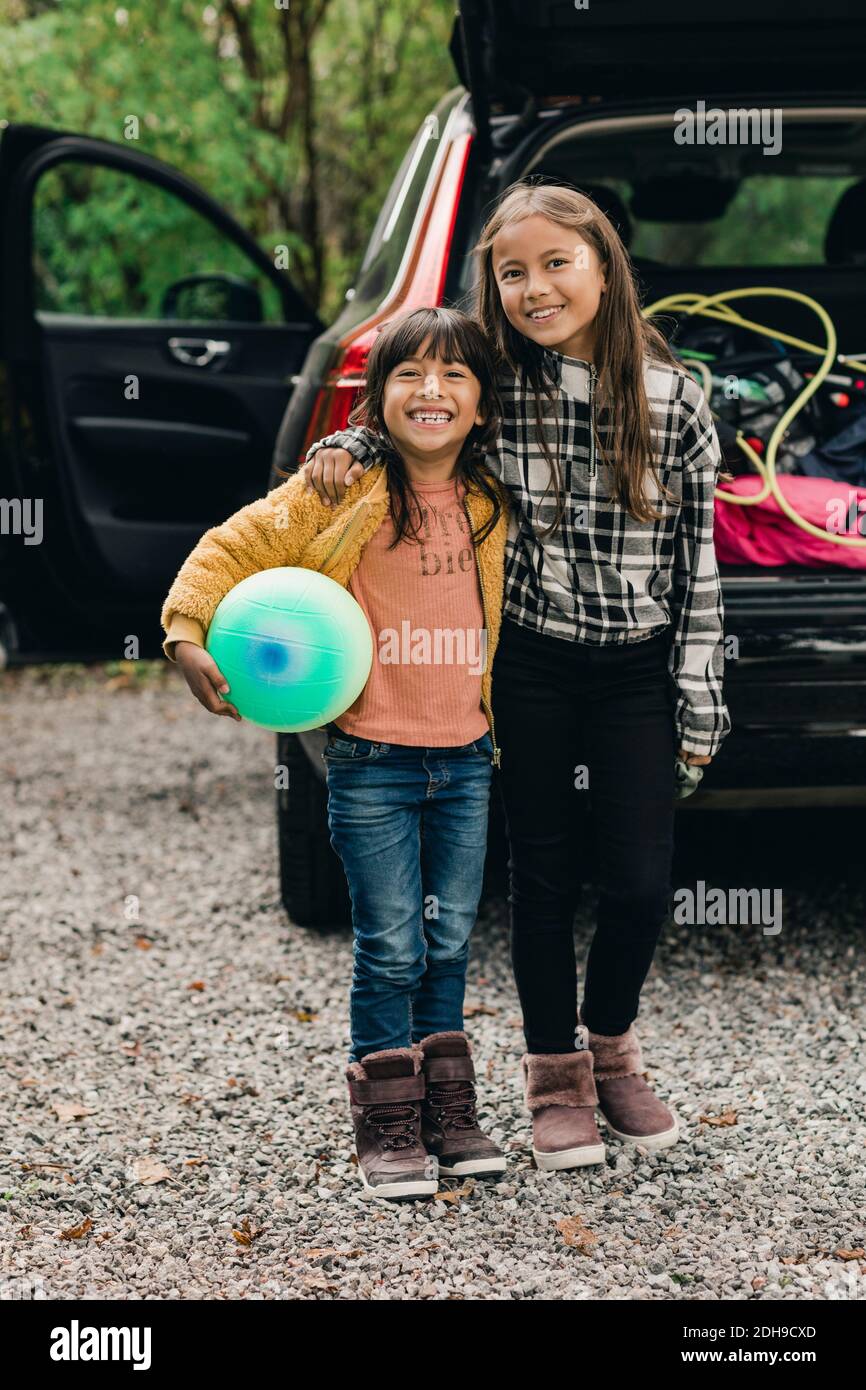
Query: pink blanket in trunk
point(764, 535)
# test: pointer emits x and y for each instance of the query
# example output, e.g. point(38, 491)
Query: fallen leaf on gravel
point(857, 1254)
point(758, 1282)
point(247, 1233)
point(672, 1232)
point(148, 1170)
point(188, 1097)
point(71, 1110)
point(304, 1016)
point(197, 984)
point(131, 1049)
point(28, 1167)
point(194, 1162)
point(103, 1236)
point(575, 1234)
point(77, 1232)
point(456, 1193)
point(469, 1010)
point(24, 1232)
point(29, 1081)
point(727, 1117)
point(142, 943)
point(489, 1070)
point(318, 1281)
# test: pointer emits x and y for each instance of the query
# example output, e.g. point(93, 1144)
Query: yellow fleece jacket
point(290, 526)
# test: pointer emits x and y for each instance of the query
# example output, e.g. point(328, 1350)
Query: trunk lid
point(508, 53)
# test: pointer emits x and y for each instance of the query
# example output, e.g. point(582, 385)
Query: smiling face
point(550, 282)
point(429, 407)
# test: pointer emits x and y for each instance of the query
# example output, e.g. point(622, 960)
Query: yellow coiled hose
point(716, 306)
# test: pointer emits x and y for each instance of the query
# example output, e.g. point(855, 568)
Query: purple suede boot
point(631, 1110)
point(560, 1095)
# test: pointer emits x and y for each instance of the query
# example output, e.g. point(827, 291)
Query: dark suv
point(587, 96)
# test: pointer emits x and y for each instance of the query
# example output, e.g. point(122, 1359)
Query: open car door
point(148, 352)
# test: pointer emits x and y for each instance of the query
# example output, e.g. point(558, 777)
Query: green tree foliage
point(293, 114)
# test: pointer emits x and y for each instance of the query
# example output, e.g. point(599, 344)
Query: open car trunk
point(705, 219)
point(590, 96)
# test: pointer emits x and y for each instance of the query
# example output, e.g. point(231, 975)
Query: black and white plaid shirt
point(602, 576)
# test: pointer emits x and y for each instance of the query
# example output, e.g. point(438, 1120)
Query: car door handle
point(197, 352)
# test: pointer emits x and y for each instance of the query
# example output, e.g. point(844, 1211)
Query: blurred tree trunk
point(297, 204)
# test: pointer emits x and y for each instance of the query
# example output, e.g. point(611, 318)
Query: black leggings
point(584, 728)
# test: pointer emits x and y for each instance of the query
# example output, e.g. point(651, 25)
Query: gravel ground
point(176, 1123)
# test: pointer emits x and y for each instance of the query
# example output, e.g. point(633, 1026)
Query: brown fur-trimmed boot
point(385, 1093)
point(449, 1124)
point(631, 1110)
point(560, 1093)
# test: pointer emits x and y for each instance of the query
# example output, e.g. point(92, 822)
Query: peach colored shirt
point(423, 603)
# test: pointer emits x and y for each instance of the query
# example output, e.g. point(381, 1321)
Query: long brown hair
point(453, 338)
point(623, 338)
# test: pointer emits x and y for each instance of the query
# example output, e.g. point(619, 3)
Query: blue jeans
point(410, 825)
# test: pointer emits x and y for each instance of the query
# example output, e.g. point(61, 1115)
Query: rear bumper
point(796, 692)
point(759, 768)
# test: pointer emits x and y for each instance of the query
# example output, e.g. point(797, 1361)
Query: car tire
point(312, 883)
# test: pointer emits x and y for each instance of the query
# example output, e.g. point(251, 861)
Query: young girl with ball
point(420, 545)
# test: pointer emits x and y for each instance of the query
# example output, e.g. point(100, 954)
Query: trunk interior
point(701, 219)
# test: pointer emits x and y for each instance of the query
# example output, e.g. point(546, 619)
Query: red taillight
point(423, 286)
point(343, 387)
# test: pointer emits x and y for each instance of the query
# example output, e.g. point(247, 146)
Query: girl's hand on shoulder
point(330, 472)
point(204, 678)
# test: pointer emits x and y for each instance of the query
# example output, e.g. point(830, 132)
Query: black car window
point(108, 243)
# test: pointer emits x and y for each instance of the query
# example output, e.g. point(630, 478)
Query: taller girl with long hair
point(610, 660)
